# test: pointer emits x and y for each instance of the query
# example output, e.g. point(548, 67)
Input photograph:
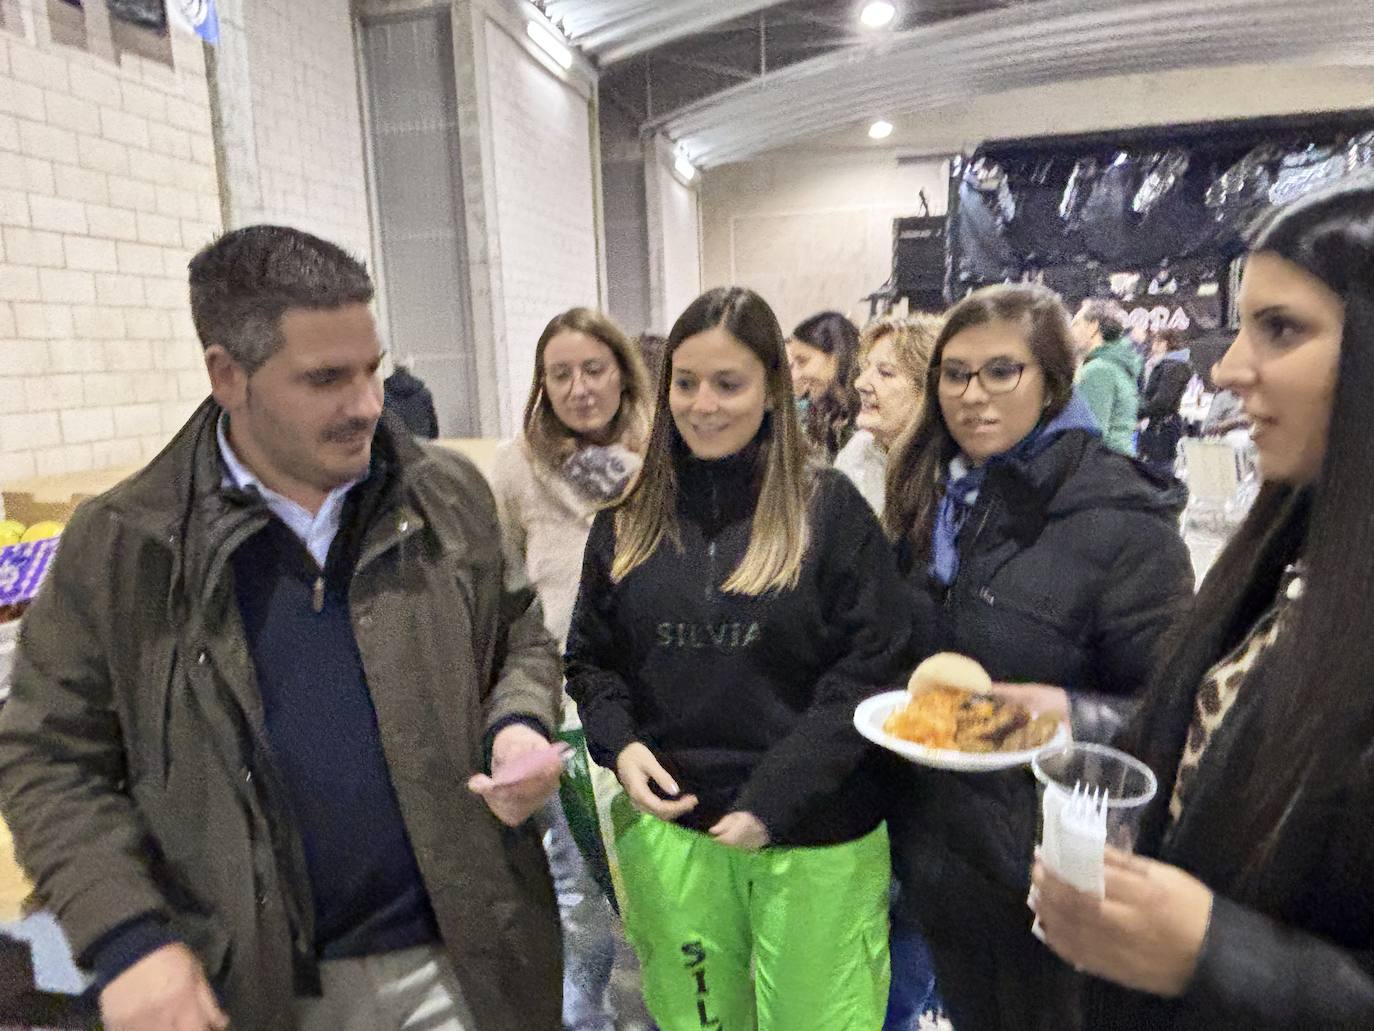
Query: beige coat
point(545, 521)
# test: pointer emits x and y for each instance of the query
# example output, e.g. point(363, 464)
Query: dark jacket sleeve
point(1255, 972)
point(594, 680)
point(526, 678)
point(1164, 393)
point(63, 763)
point(866, 602)
point(1147, 588)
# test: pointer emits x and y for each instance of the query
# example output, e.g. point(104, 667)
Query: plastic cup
point(1128, 782)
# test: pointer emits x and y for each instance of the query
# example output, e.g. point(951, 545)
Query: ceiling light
point(546, 41)
point(878, 14)
point(685, 168)
point(880, 130)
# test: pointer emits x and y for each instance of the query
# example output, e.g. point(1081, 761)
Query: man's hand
point(636, 766)
point(515, 800)
point(164, 991)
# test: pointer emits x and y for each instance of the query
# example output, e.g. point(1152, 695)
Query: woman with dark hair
point(1248, 904)
point(734, 610)
point(823, 354)
point(1057, 564)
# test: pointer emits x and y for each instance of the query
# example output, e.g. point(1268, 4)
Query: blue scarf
point(961, 493)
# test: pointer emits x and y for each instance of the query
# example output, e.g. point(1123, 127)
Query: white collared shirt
point(316, 532)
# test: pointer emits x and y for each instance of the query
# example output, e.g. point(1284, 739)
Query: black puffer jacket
point(1071, 568)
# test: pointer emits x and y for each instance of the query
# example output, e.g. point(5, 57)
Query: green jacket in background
point(132, 767)
point(1107, 382)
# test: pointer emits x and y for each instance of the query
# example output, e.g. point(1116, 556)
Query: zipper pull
point(987, 596)
point(317, 595)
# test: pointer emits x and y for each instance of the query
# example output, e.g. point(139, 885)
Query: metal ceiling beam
point(616, 30)
point(1027, 45)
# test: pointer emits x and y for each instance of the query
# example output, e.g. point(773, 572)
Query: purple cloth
point(22, 568)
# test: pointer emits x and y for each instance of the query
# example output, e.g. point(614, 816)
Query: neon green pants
point(811, 924)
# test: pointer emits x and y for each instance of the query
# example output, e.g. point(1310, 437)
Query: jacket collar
point(717, 492)
point(180, 500)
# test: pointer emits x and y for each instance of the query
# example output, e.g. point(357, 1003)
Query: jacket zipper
point(711, 580)
point(978, 532)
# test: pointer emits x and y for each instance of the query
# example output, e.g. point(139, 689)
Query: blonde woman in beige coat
point(586, 423)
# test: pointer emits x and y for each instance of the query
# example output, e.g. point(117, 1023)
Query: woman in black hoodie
point(733, 611)
point(1056, 563)
point(1248, 903)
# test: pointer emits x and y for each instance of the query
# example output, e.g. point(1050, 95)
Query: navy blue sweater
point(326, 747)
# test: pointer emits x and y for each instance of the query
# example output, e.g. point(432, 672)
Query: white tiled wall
point(303, 164)
point(107, 186)
point(546, 219)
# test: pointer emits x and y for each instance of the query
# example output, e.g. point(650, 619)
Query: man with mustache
point(252, 695)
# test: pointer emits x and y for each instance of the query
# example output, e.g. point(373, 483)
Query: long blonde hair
point(779, 532)
point(551, 442)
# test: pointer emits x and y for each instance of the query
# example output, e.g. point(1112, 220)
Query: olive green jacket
point(133, 766)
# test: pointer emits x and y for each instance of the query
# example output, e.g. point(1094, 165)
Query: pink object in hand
point(534, 763)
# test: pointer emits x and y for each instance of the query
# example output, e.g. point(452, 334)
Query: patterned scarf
point(601, 473)
point(962, 484)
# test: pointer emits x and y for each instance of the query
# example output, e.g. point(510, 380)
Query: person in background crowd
point(1248, 903)
point(733, 611)
point(822, 354)
point(651, 350)
point(250, 694)
point(894, 354)
point(1224, 415)
point(1057, 564)
point(1108, 379)
point(1166, 378)
point(406, 394)
point(586, 423)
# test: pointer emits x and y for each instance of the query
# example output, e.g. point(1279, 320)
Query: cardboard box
point(56, 497)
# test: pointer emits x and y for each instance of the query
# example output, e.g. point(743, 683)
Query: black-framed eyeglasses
point(998, 376)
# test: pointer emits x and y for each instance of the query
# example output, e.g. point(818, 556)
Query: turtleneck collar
point(720, 491)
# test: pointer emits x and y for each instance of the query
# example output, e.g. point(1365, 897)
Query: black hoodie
point(748, 701)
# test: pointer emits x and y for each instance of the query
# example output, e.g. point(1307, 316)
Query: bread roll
point(949, 670)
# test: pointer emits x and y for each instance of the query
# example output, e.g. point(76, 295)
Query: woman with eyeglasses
point(586, 423)
point(1057, 564)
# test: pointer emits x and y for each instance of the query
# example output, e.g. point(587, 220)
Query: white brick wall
point(306, 167)
point(546, 221)
point(107, 186)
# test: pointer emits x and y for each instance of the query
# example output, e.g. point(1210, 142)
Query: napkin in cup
point(1073, 842)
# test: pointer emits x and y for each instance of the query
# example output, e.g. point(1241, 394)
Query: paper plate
point(873, 712)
